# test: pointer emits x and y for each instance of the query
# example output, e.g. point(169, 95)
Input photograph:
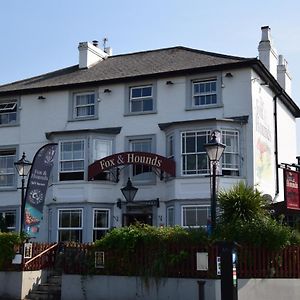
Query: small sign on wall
point(28, 250)
point(99, 259)
point(202, 261)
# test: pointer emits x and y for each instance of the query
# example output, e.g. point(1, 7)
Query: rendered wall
point(16, 285)
point(130, 288)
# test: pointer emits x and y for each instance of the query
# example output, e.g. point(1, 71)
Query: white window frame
point(140, 99)
point(183, 218)
point(76, 106)
point(7, 173)
point(107, 142)
point(3, 214)
point(184, 155)
point(150, 178)
point(205, 94)
point(9, 108)
point(168, 214)
point(69, 228)
point(60, 160)
point(108, 220)
point(228, 150)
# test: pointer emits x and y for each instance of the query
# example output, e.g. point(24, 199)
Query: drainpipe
point(276, 143)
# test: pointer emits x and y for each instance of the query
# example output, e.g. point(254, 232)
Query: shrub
point(8, 241)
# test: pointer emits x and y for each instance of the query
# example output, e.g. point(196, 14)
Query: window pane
point(147, 91)
point(190, 144)
point(136, 106)
point(101, 219)
point(148, 105)
point(136, 92)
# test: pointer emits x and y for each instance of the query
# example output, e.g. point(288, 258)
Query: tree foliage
point(245, 219)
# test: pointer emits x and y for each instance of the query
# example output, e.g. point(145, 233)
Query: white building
point(165, 102)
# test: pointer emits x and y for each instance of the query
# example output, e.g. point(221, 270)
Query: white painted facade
point(245, 106)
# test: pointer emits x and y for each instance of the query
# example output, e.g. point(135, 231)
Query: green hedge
point(8, 241)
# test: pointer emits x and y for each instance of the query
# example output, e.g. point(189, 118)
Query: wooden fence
point(176, 260)
point(253, 262)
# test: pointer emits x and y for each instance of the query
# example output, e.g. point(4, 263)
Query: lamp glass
point(23, 166)
point(129, 191)
point(214, 149)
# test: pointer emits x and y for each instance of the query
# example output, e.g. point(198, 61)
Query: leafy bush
point(245, 219)
point(8, 241)
point(146, 250)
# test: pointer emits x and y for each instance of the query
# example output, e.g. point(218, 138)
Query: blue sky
point(39, 36)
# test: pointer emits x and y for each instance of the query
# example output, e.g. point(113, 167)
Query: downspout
point(276, 143)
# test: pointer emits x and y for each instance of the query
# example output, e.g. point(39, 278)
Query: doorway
point(133, 218)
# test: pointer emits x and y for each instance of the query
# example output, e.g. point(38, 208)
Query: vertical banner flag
point(37, 187)
point(291, 189)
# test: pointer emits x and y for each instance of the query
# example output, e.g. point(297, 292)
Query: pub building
point(128, 134)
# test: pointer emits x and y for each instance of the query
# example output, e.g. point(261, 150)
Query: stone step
point(49, 287)
point(43, 295)
point(55, 279)
point(51, 290)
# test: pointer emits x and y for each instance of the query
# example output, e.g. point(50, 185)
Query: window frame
point(194, 206)
point(236, 133)
point(73, 115)
point(13, 173)
point(69, 228)
point(190, 80)
point(196, 171)
point(104, 229)
point(128, 98)
point(204, 94)
point(83, 170)
point(3, 212)
point(169, 208)
point(6, 111)
point(129, 141)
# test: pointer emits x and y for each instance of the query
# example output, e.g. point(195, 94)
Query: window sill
point(200, 107)
point(83, 119)
point(140, 113)
point(10, 125)
point(8, 188)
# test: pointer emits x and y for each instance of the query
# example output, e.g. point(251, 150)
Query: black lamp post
point(129, 191)
point(23, 167)
point(214, 150)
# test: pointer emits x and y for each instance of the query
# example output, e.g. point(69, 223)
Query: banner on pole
point(37, 187)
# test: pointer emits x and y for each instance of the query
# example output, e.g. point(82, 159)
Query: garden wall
point(16, 285)
point(76, 287)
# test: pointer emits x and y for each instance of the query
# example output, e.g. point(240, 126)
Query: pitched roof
point(161, 62)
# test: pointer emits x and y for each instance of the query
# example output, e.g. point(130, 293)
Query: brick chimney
point(90, 54)
point(267, 53)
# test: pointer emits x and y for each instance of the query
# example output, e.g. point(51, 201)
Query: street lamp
point(214, 150)
point(23, 167)
point(129, 191)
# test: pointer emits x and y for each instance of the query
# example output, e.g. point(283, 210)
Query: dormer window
point(8, 112)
